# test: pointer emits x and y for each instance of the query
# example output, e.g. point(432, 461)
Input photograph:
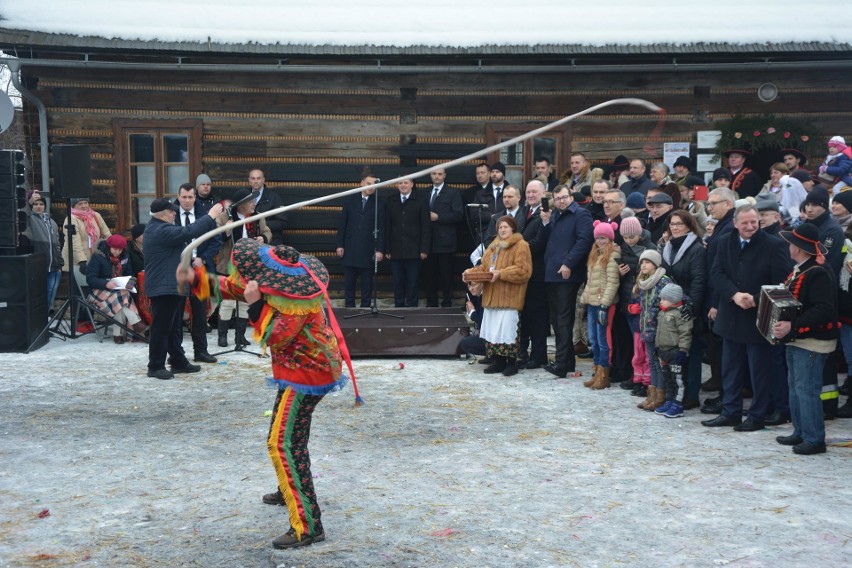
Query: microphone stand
point(374, 308)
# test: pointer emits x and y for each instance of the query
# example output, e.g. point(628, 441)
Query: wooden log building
point(156, 114)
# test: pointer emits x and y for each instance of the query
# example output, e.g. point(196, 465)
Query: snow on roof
point(438, 23)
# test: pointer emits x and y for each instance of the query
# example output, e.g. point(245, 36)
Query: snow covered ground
point(443, 466)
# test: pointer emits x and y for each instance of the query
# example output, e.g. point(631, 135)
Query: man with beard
point(638, 181)
point(569, 235)
point(481, 194)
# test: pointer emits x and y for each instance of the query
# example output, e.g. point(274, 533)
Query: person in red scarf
point(89, 228)
point(108, 262)
point(284, 291)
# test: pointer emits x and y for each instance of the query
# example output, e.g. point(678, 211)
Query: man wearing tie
point(747, 259)
point(408, 237)
point(356, 244)
point(511, 207)
point(498, 182)
point(445, 206)
point(190, 210)
point(266, 201)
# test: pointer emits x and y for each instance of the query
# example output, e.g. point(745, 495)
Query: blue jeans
point(597, 337)
point(804, 376)
point(52, 287)
point(846, 342)
point(654, 364)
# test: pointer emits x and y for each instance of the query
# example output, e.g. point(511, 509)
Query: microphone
point(477, 205)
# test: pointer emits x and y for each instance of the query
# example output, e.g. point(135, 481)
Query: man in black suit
point(543, 169)
point(637, 180)
point(747, 259)
point(192, 209)
point(266, 201)
point(481, 195)
point(356, 244)
point(408, 234)
point(445, 206)
point(511, 207)
point(535, 318)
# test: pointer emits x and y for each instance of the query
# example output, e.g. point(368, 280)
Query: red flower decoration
point(756, 133)
point(786, 135)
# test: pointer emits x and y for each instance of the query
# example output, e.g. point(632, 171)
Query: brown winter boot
point(659, 400)
point(596, 369)
point(603, 379)
point(649, 399)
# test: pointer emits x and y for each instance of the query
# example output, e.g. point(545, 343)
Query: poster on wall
point(672, 150)
point(707, 139)
point(707, 162)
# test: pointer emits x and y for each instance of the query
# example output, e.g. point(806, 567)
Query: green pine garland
point(755, 133)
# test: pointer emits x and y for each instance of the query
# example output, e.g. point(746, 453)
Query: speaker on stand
point(23, 302)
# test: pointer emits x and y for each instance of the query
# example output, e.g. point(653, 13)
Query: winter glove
point(83, 266)
point(680, 358)
point(634, 309)
point(822, 168)
point(602, 316)
point(131, 283)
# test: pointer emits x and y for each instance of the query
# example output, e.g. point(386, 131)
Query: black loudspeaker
point(13, 219)
point(23, 301)
point(72, 171)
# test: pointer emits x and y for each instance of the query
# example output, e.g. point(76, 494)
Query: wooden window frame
point(494, 130)
point(120, 126)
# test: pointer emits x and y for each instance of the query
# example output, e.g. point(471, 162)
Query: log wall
point(312, 133)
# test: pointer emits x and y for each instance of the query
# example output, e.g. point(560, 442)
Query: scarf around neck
point(688, 239)
point(650, 282)
point(91, 223)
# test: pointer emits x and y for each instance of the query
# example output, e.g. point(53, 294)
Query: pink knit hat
point(630, 227)
point(607, 230)
point(838, 142)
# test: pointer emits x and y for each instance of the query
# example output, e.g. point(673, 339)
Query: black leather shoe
point(204, 357)
point(791, 440)
point(712, 406)
point(627, 385)
point(554, 370)
point(689, 403)
point(531, 364)
point(722, 420)
point(808, 449)
point(586, 355)
point(188, 368)
point(485, 361)
point(749, 426)
point(776, 419)
point(845, 411)
point(711, 385)
point(640, 390)
point(162, 374)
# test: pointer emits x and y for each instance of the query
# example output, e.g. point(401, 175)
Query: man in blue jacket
point(569, 235)
point(192, 209)
point(164, 241)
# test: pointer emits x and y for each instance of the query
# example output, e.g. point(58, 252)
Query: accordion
point(776, 304)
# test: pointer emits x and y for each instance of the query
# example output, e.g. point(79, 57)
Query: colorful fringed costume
point(306, 358)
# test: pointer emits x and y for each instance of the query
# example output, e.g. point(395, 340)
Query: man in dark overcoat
point(356, 243)
point(569, 234)
point(535, 319)
point(408, 235)
point(747, 259)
